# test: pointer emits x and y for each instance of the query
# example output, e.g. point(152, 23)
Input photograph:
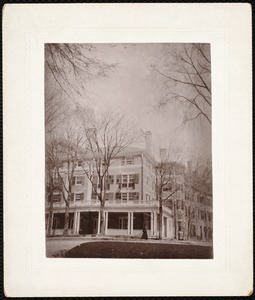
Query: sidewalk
point(56, 245)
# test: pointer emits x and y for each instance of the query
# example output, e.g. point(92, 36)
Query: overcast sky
point(133, 90)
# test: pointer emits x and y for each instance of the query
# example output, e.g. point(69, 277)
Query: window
point(179, 226)
point(131, 179)
point(72, 197)
point(79, 197)
point(118, 179)
point(124, 196)
point(147, 179)
point(124, 181)
point(128, 181)
point(78, 180)
point(148, 197)
point(118, 196)
point(78, 164)
point(127, 161)
point(56, 198)
point(133, 196)
point(109, 196)
point(136, 178)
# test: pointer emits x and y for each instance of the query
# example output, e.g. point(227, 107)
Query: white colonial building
point(131, 201)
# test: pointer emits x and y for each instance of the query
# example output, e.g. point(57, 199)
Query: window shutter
point(73, 181)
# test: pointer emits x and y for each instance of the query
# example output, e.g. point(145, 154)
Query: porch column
point(75, 222)
point(98, 222)
point(129, 223)
point(152, 221)
point(155, 223)
point(52, 219)
point(47, 222)
point(78, 222)
point(106, 222)
point(163, 226)
point(132, 223)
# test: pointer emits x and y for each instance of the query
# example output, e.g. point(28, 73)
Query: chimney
point(148, 140)
point(162, 154)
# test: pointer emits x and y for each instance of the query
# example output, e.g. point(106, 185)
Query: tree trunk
point(175, 222)
point(50, 216)
point(49, 231)
point(188, 235)
point(102, 220)
point(160, 219)
point(66, 226)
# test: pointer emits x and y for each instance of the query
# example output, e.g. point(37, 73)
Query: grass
point(113, 249)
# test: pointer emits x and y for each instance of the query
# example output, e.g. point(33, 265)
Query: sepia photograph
point(128, 152)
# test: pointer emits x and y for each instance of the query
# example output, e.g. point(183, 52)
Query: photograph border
point(25, 272)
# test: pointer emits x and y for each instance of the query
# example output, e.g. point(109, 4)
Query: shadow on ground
point(113, 249)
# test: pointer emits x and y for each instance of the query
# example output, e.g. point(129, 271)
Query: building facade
point(131, 201)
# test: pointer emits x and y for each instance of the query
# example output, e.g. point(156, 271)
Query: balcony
point(108, 203)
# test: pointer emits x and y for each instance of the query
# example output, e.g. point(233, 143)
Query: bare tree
point(50, 177)
point(106, 138)
point(198, 181)
point(199, 176)
point(167, 186)
point(186, 72)
point(56, 108)
point(70, 66)
point(65, 146)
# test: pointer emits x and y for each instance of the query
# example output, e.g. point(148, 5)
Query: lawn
point(113, 249)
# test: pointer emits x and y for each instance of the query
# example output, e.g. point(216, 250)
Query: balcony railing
point(107, 203)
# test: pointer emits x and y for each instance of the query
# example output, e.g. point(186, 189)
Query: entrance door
point(88, 223)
